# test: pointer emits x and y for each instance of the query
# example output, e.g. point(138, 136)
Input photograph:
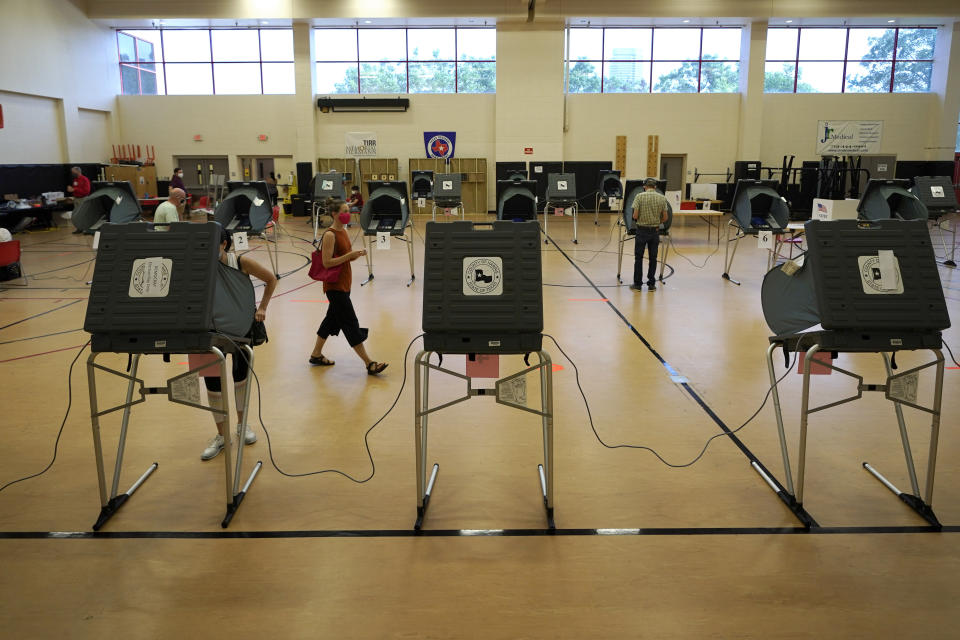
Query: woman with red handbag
point(335, 251)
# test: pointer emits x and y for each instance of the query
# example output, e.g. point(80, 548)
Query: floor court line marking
point(472, 533)
point(587, 300)
point(795, 509)
point(43, 313)
point(46, 335)
point(34, 355)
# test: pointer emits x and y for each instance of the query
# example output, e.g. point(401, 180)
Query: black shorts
point(341, 317)
point(240, 369)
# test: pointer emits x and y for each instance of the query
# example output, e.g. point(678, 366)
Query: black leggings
point(341, 317)
point(240, 369)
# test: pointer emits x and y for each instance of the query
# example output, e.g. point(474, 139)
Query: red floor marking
point(557, 367)
point(953, 367)
point(34, 355)
point(296, 288)
point(183, 363)
point(587, 300)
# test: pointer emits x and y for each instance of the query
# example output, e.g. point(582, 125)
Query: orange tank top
point(341, 247)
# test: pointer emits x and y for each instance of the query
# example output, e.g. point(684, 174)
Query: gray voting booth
point(165, 293)
point(862, 287)
point(113, 202)
point(483, 296)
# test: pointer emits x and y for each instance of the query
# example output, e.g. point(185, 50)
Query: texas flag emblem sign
point(439, 144)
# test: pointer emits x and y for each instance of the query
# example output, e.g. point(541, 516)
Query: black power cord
point(703, 451)
point(366, 435)
point(56, 443)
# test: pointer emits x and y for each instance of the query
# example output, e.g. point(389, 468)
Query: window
point(434, 60)
point(206, 61)
point(138, 68)
point(854, 60)
point(657, 60)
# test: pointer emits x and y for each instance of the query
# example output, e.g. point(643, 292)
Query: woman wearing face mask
point(335, 248)
point(240, 367)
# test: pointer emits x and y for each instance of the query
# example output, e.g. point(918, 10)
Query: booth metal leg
point(409, 241)
point(235, 494)
point(546, 217)
point(596, 210)
point(110, 504)
point(923, 506)
point(778, 414)
point(623, 239)
point(575, 211)
point(546, 469)
point(729, 255)
point(666, 253)
point(421, 416)
point(369, 249)
point(804, 414)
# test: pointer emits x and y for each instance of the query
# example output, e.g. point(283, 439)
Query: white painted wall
point(701, 126)
point(229, 125)
point(94, 135)
point(49, 49)
point(790, 122)
point(31, 131)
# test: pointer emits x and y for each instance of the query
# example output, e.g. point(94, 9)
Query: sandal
point(375, 368)
point(321, 361)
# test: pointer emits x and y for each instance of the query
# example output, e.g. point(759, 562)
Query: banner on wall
point(439, 144)
point(846, 137)
point(360, 143)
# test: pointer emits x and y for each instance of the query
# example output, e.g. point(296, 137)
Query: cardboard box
point(834, 209)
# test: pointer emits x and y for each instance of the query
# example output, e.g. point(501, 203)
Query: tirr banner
point(360, 143)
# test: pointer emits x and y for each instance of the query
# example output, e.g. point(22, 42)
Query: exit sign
point(528, 151)
point(262, 137)
point(198, 138)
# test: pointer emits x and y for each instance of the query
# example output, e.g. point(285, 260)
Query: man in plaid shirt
point(649, 212)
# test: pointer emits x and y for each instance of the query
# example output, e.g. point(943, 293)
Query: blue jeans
point(645, 239)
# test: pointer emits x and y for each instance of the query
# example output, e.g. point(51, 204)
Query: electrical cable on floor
point(366, 435)
point(56, 443)
point(692, 263)
point(703, 451)
point(950, 351)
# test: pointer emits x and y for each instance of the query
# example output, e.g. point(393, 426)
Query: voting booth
point(939, 196)
point(247, 208)
point(326, 188)
point(448, 194)
point(757, 211)
point(884, 199)
point(862, 287)
point(516, 200)
point(386, 215)
point(483, 298)
point(609, 192)
point(166, 293)
point(561, 195)
point(113, 202)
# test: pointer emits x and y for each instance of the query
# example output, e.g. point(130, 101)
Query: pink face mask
point(344, 217)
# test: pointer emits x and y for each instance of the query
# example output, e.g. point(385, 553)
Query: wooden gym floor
point(706, 551)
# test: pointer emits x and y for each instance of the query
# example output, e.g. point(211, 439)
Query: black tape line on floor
point(468, 533)
point(799, 511)
point(42, 313)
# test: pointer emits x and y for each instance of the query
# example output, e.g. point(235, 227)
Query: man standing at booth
point(649, 212)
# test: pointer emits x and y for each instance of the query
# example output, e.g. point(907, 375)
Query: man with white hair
point(170, 209)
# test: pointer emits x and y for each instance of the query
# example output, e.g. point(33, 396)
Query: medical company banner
point(845, 137)
point(360, 143)
point(439, 144)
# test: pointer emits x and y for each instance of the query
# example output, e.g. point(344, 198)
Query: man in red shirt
point(81, 184)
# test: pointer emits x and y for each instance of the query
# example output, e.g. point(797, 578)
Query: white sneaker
point(249, 437)
point(213, 448)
